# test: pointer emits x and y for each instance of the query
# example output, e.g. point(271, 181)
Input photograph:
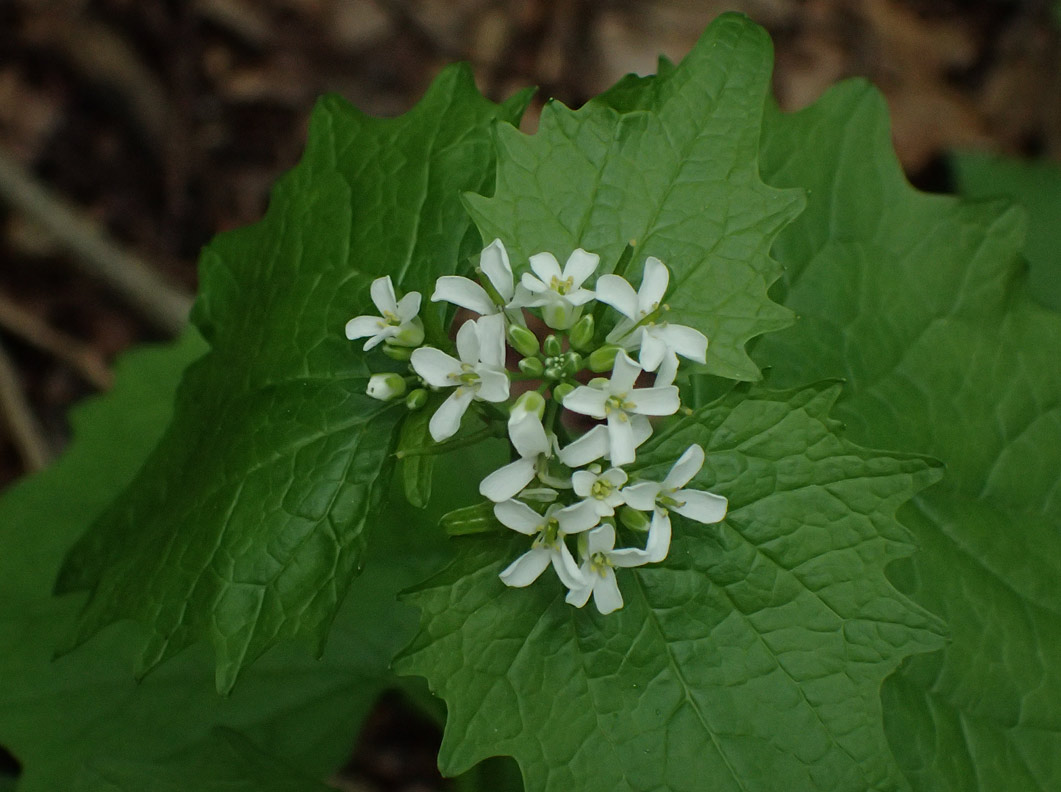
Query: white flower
point(599, 561)
point(594, 444)
point(548, 547)
point(704, 507)
point(660, 343)
point(398, 321)
point(602, 490)
point(493, 262)
point(559, 294)
point(479, 374)
point(532, 444)
point(617, 401)
point(385, 386)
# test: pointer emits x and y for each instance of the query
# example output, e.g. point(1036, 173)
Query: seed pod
point(523, 340)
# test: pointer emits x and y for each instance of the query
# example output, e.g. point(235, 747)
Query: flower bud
point(523, 340)
point(385, 386)
point(531, 366)
point(554, 373)
point(603, 358)
point(529, 402)
point(582, 333)
point(402, 353)
point(551, 346)
point(573, 364)
point(561, 391)
point(416, 399)
point(633, 519)
point(410, 334)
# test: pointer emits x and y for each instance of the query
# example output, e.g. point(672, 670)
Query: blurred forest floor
point(162, 122)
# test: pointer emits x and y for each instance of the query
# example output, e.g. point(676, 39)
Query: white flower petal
point(654, 282)
point(642, 429)
point(408, 306)
point(536, 287)
point(527, 568)
point(447, 418)
point(546, 267)
point(592, 445)
point(617, 293)
point(620, 439)
point(494, 263)
point(668, 370)
point(580, 265)
point(493, 384)
point(624, 374)
point(566, 568)
point(468, 342)
point(382, 291)
point(586, 401)
point(580, 297)
point(463, 292)
point(653, 349)
point(582, 481)
point(606, 595)
point(685, 341)
point(507, 481)
point(577, 518)
point(642, 495)
point(615, 476)
point(579, 596)
point(704, 507)
point(659, 532)
point(518, 516)
point(600, 540)
point(491, 333)
point(655, 401)
point(687, 466)
point(628, 557)
point(435, 366)
point(528, 435)
point(361, 326)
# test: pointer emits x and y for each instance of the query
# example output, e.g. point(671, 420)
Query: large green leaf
point(248, 522)
point(675, 171)
point(1037, 187)
point(82, 719)
point(919, 302)
point(751, 659)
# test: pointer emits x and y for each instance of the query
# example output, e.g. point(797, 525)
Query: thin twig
point(16, 413)
point(165, 306)
point(81, 357)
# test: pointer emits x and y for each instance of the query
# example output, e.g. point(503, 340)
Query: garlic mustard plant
point(560, 419)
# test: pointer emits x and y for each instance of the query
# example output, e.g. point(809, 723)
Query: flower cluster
point(572, 434)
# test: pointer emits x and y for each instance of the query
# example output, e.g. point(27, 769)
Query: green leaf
point(62, 718)
point(417, 470)
point(224, 762)
point(1037, 187)
point(919, 302)
point(678, 176)
point(752, 656)
point(248, 522)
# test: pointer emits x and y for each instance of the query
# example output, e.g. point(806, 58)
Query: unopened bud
point(603, 358)
point(402, 353)
point(562, 391)
point(385, 386)
point(551, 346)
point(573, 364)
point(633, 519)
point(416, 399)
point(554, 373)
point(529, 402)
point(582, 333)
point(523, 340)
point(531, 366)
